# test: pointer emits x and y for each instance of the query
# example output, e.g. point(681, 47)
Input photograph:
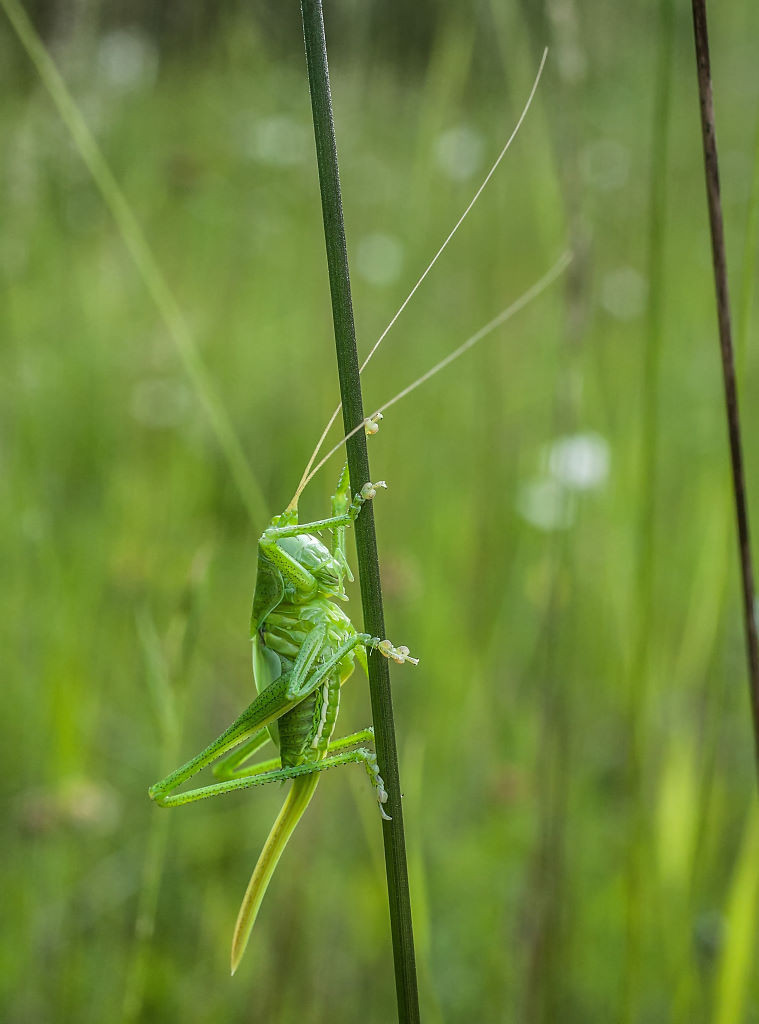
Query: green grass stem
point(167, 666)
point(645, 541)
point(366, 541)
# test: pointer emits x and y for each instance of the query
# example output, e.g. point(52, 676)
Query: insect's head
point(329, 576)
point(327, 569)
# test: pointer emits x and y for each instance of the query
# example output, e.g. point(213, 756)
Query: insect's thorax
point(286, 628)
point(304, 732)
point(314, 556)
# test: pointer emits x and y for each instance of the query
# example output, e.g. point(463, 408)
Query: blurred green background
point(557, 540)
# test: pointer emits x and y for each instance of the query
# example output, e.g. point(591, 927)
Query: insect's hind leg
point(260, 775)
point(234, 765)
point(269, 705)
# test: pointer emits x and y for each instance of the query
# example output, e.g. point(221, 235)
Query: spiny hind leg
point(268, 706)
point(262, 775)
point(235, 765)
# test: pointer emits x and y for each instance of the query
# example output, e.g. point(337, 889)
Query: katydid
point(305, 646)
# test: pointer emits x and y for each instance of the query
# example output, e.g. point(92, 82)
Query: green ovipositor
point(292, 811)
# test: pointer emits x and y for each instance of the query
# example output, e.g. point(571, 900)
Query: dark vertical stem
point(726, 348)
point(366, 541)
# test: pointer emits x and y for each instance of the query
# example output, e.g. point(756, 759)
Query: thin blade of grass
point(738, 957)
point(136, 243)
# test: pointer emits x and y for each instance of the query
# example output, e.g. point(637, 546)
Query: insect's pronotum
point(305, 646)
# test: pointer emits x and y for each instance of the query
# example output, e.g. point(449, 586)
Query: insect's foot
point(371, 424)
point(369, 490)
point(379, 786)
point(398, 654)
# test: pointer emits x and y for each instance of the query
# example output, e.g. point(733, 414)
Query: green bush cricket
point(304, 648)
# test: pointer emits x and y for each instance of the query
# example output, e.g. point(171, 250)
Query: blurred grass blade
point(157, 675)
point(748, 275)
point(144, 260)
point(167, 665)
point(161, 692)
point(738, 961)
point(639, 680)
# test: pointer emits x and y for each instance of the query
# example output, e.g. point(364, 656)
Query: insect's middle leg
point(298, 688)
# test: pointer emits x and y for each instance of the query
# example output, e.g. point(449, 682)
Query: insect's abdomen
point(305, 732)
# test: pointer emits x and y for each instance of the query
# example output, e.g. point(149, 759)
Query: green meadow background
point(557, 538)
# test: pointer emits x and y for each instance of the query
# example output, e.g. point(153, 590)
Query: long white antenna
point(532, 293)
point(307, 472)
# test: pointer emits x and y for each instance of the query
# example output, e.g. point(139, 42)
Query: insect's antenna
point(307, 474)
point(524, 299)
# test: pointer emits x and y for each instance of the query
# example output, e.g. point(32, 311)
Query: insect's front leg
point(367, 492)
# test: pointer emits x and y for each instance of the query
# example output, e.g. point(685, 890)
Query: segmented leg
point(232, 766)
point(263, 777)
point(269, 705)
point(298, 689)
point(232, 770)
point(273, 533)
